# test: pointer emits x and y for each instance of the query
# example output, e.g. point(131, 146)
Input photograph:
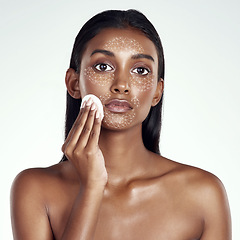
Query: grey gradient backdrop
point(201, 106)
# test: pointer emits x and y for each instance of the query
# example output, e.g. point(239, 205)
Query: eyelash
point(109, 68)
point(135, 70)
point(97, 67)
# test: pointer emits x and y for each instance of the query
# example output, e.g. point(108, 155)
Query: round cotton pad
point(97, 101)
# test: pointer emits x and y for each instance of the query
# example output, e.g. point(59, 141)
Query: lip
point(118, 106)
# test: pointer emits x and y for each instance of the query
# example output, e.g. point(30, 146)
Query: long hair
point(151, 126)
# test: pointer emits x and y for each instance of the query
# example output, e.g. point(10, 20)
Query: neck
point(124, 153)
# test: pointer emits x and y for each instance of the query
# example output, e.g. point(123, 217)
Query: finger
point(87, 129)
point(95, 133)
point(78, 125)
point(75, 125)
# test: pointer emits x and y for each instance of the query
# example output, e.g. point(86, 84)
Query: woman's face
point(120, 67)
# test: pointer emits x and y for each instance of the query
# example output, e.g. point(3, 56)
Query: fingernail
point(97, 114)
point(93, 106)
point(89, 102)
point(83, 105)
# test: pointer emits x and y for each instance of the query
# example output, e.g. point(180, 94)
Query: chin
point(116, 124)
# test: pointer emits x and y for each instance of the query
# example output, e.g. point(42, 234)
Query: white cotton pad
point(97, 101)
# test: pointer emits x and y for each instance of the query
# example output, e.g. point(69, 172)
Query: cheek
point(98, 79)
point(142, 83)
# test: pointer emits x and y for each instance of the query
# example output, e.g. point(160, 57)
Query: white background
point(201, 110)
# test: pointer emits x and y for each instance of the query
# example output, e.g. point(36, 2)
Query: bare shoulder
point(205, 188)
point(31, 195)
point(198, 185)
point(38, 181)
point(37, 174)
point(197, 193)
point(204, 192)
point(196, 179)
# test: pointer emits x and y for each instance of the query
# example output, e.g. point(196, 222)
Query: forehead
point(114, 39)
point(123, 43)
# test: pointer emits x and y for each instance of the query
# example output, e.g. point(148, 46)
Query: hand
point(82, 149)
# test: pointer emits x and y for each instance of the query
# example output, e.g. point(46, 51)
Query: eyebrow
point(103, 52)
point(140, 55)
point(111, 54)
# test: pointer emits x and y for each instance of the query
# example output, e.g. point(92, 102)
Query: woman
point(112, 183)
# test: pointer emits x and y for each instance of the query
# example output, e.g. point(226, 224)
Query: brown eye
point(141, 71)
point(103, 67)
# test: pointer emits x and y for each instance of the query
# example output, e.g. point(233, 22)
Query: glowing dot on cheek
point(99, 79)
point(136, 102)
point(142, 83)
point(105, 97)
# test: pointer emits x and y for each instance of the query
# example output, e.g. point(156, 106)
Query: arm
point(82, 221)
point(28, 204)
point(82, 150)
point(217, 220)
point(28, 212)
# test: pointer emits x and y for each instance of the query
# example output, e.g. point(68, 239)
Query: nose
point(120, 84)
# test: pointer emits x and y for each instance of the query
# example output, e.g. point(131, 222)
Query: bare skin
point(112, 187)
